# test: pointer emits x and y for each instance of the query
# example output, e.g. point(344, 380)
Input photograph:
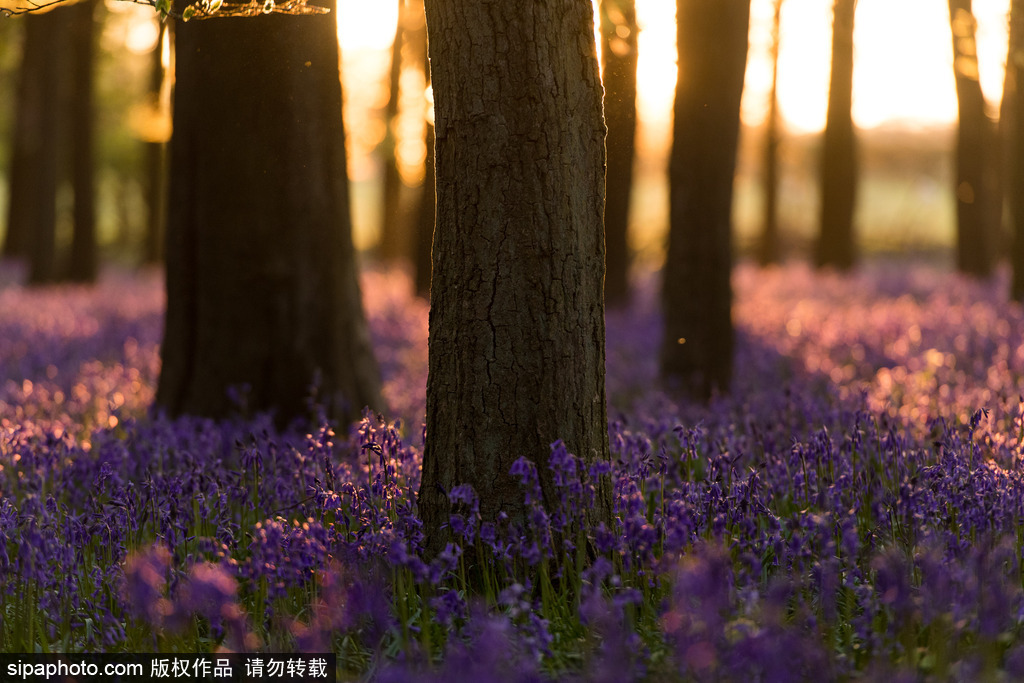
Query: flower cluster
point(851, 509)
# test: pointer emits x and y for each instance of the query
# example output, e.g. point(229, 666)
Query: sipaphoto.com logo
point(61, 668)
point(220, 667)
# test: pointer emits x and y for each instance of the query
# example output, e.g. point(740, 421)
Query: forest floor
point(851, 509)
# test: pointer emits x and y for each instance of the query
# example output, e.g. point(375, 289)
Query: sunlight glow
point(367, 25)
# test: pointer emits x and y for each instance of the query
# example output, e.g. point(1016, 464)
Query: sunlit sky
point(903, 70)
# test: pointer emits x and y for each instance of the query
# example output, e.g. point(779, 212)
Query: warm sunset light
point(903, 71)
point(738, 397)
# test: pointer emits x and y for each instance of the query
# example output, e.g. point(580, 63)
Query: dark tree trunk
point(973, 197)
point(619, 33)
point(425, 221)
point(34, 171)
point(392, 244)
point(769, 250)
point(26, 139)
point(1015, 141)
point(517, 314)
point(83, 259)
point(262, 288)
point(696, 355)
point(835, 246)
point(156, 158)
point(423, 226)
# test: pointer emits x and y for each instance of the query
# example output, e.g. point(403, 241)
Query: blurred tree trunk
point(974, 211)
point(517, 311)
point(839, 152)
point(769, 250)
point(696, 290)
point(34, 170)
point(619, 33)
point(156, 157)
point(425, 221)
point(83, 259)
point(423, 226)
point(262, 287)
point(1014, 132)
point(393, 238)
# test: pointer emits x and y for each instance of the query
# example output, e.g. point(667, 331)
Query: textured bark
point(769, 250)
point(517, 315)
point(835, 246)
point(696, 289)
point(974, 211)
point(1015, 142)
point(83, 258)
point(619, 52)
point(262, 288)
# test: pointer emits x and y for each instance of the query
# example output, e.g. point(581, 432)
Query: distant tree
point(769, 248)
point(392, 245)
point(619, 52)
point(974, 198)
point(516, 315)
point(1015, 141)
point(34, 168)
point(156, 156)
point(835, 246)
point(697, 347)
point(53, 140)
point(262, 288)
point(82, 263)
point(423, 227)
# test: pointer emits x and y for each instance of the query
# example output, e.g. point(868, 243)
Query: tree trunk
point(517, 316)
point(26, 138)
point(392, 243)
point(156, 157)
point(425, 221)
point(262, 288)
point(973, 199)
point(619, 33)
point(1015, 142)
point(839, 154)
point(769, 250)
point(83, 259)
point(423, 227)
point(34, 170)
point(696, 355)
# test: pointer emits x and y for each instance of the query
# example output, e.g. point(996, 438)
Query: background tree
point(1014, 132)
point(156, 152)
point(262, 288)
point(393, 238)
point(974, 210)
point(697, 346)
point(34, 168)
point(516, 315)
point(769, 249)
point(839, 153)
point(53, 140)
point(82, 264)
point(423, 228)
point(619, 32)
